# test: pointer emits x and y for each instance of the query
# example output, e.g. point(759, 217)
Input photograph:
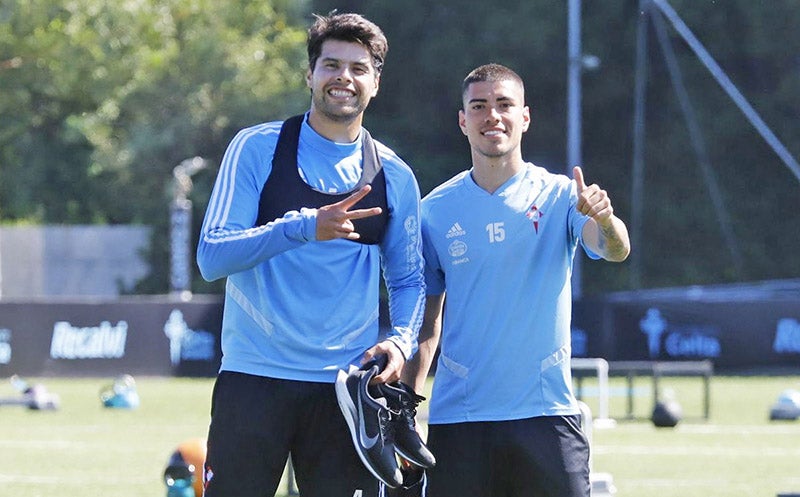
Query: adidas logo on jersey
point(455, 230)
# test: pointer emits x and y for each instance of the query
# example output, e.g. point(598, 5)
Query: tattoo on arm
point(612, 245)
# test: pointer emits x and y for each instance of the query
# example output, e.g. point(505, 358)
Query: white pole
point(574, 69)
point(1, 264)
point(180, 227)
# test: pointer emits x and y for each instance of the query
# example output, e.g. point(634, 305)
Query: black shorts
point(257, 422)
point(534, 457)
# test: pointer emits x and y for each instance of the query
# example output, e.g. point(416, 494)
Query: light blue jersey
point(504, 261)
point(296, 308)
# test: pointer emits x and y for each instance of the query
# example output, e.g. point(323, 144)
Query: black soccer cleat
point(368, 419)
point(414, 483)
point(403, 401)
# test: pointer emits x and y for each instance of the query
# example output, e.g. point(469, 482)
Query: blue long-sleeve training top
point(297, 308)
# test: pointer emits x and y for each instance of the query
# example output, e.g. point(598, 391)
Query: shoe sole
point(350, 416)
point(410, 458)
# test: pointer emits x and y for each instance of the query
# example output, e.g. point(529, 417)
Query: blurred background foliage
point(101, 100)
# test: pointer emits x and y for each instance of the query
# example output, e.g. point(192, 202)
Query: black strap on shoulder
point(285, 190)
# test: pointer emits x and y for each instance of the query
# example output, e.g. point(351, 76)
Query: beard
point(337, 112)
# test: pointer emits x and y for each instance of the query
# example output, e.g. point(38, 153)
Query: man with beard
point(304, 217)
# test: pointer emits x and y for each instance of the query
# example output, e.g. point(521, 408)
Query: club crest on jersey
point(457, 249)
point(534, 214)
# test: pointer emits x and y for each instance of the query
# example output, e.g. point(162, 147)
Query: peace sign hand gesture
point(336, 220)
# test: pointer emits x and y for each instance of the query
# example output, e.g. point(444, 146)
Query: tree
point(100, 100)
point(755, 44)
point(433, 45)
point(106, 98)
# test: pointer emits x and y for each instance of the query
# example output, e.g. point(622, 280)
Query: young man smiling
point(498, 241)
point(305, 218)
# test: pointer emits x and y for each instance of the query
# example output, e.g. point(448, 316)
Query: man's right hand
point(336, 220)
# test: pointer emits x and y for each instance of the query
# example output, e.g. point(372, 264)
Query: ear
point(462, 122)
point(377, 84)
point(526, 118)
point(308, 77)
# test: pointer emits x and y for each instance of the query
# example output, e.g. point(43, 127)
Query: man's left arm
point(403, 266)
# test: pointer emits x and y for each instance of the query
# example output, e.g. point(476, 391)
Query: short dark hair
point(347, 27)
point(490, 73)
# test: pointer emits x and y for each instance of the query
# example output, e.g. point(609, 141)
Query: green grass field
point(85, 450)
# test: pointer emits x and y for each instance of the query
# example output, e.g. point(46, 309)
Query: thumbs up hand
point(606, 234)
point(592, 200)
